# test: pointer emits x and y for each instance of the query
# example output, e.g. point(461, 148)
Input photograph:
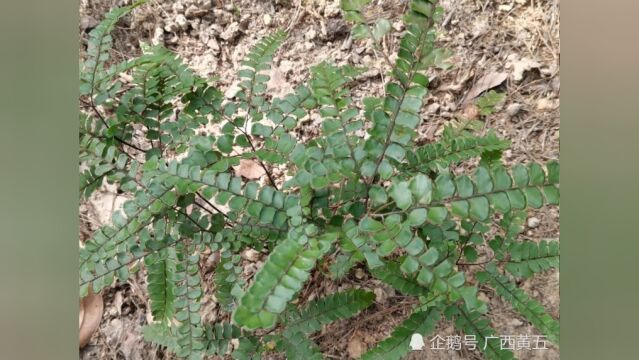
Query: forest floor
point(516, 41)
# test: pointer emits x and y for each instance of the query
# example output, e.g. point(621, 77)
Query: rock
point(513, 109)
point(87, 23)
point(483, 297)
point(231, 32)
point(158, 36)
point(556, 84)
point(178, 7)
point(359, 273)
point(213, 44)
point(380, 295)
point(332, 9)
point(533, 222)
point(521, 66)
point(181, 21)
point(545, 104)
point(516, 322)
point(432, 108)
point(173, 40)
point(310, 35)
point(251, 255)
point(268, 20)
point(172, 27)
point(222, 17)
point(505, 8)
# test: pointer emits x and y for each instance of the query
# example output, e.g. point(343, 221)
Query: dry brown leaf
point(91, 308)
point(487, 82)
point(356, 346)
point(470, 112)
point(249, 169)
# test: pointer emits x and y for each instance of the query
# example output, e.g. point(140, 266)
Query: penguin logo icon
point(416, 342)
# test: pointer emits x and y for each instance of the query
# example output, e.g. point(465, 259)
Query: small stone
point(88, 23)
point(231, 32)
point(158, 36)
point(172, 27)
point(545, 104)
point(331, 9)
point(178, 7)
point(432, 108)
point(380, 295)
point(505, 8)
point(251, 255)
point(173, 40)
point(310, 35)
point(521, 2)
point(533, 222)
point(483, 297)
point(181, 21)
point(359, 273)
point(516, 322)
point(513, 109)
point(213, 44)
point(555, 84)
point(308, 45)
point(268, 20)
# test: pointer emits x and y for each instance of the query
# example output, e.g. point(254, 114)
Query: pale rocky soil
point(517, 37)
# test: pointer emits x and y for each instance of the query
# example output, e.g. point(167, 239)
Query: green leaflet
point(160, 279)
point(299, 347)
point(189, 331)
point(528, 258)
point(159, 334)
point(107, 251)
point(529, 308)
point(473, 323)
point(252, 80)
point(490, 190)
point(267, 207)
point(397, 345)
point(99, 44)
point(322, 311)
point(391, 274)
point(444, 153)
point(219, 337)
point(225, 279)
point(282, 276)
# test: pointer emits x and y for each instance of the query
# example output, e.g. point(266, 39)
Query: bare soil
point(516, 37)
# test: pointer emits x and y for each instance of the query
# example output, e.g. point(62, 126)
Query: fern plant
point(378, 200)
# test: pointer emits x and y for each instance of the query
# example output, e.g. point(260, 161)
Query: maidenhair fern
point(419, 218)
